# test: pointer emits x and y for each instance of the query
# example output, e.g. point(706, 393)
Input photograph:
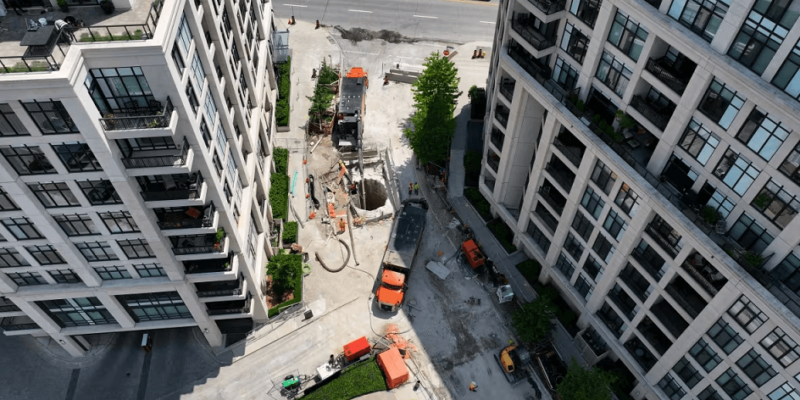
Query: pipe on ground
point(346, 259)
point(352, 242)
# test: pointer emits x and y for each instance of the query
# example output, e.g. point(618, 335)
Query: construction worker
point(510, 342)
point(473, 387)
point(416, 188)
point(410, 188)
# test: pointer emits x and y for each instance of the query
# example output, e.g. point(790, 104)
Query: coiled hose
point(346, 259)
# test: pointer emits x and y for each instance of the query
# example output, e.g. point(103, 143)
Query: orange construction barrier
point(331, 211)
point(393, 367)
point(356, 349)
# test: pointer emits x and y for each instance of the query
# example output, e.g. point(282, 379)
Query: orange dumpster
point(393, 367)
point(356, 349)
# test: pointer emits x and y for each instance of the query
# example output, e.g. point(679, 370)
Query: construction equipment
point(473, 254)
point(352, 105)
point(400, 253)
point(514, 361)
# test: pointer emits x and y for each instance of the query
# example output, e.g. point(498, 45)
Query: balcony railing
point(659, 118)
point(497, 139)
point(197, 244)
point(507, 91)
point(8, 308)
point(678, 296)
point(651, 266)
point(152, 118)
point(641, 353)
point(549, 7)
point(219, 289)
point(107, 33)
point(501, 116)
point(662, 69)
point(187, 189)
point(17, 324)
point(665, 243)
point(207, 266)
point(230, 310)
point(669, 317)
point(220, 292)
point(547, 218)
point(564, 178)
point(529, 63)
point(190, 218)
point(523, 25)
point(550, 199)
point(572, 153)
point(178, 160)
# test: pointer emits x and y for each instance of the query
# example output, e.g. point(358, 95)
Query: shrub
point(285, 79)
point(532, 321)
point(279, 195)
point(477, 99)
point(585, 384)
point(290, 232)
point(327, 75)
point(710, 215)
point(472, 163)
point(503, 233)
point(530, 270)
point(281, 157)
point(282, 112)
point(355, 381)
point(287, 274)
point(479, 202)
point(320, 102)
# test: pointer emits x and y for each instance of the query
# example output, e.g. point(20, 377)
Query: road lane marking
point(472, 2)
point(361, 11)
point(295, 5)
point(425, 16)
point(487, 22)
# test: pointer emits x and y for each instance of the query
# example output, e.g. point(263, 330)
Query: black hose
point(311, 191)
point(346, 259)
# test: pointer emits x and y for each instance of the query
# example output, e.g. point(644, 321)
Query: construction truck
point(349, 127)
point(399, 256)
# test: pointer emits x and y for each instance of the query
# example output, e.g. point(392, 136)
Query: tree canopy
point(433, 124)
point(532, 321)
point(585, 384)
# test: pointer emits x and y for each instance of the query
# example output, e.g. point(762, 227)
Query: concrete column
point(521, 147)
point(730, 26)
point(115, 308)
point(7, 285)
point(207, 326)
point(50, 327)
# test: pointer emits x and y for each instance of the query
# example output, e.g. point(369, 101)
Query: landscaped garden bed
point(320, 115)
point(284, 281)
point(503, 234)
point(282, 108)
point(480, 203)
point(530, 270)
point(358, 380)
point(279, 188)
point(289, 235)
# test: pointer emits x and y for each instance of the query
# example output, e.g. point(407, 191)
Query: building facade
point(135, 175)
point(647, 153)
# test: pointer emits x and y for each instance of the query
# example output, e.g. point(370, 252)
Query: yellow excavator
point(513, 359)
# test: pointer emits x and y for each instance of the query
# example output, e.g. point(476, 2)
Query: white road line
point(295, 5)
point(425, 16)
point(487, 22)
point(360, 52)
point(361, 11)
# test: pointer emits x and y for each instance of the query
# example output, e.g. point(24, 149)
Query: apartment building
point(647, 153)
point(136, 156)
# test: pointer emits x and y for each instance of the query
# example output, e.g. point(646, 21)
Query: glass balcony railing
point(151, 117)
point(158, 158)
point(524, 24)
point(186, 217)
point(197, 244)
point(549, 7)
point(654, 113)
point(173, 187)
point(663, 69)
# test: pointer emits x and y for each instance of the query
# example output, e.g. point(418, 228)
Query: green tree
point(585, 384)
point(532, 321)
point(284, 270)
point(433, 124)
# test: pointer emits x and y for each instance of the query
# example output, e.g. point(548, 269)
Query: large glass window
point(701, 17)
point(54, 194)
point(45, 254)
point(699, 142)
point(65, 276)
point(582, 225)
point(791, 165)
point(614, 74)
point(583, 286)
point(6, 204)
point(574, 42)
point(10, 124)
point(210, 108)
point(604, 177)
point(592, 203)
point(725, 336)
point(733, 385)
point(574, 247)
point(22, 228)
point(721, 103)
point(538, 236)
point(100, 192)
point(627, 200)
point(112, 273)
point(26, 278)
point(76, 224)
point(27, 160)
point(603, 248)
point(679, 174)
point(615, 225)
point(688, 374)
point(184, 36)
point(705, 355)
point(627, 35)
point(565, 266)
point(121, 90)
point(782, 347)
point(150, 270)
point(10, 258)
point(750, 235)
point(97, 251)
point(761, 35)
point(592, 268)
point(565, 75)
point(77, 157)
point(784, 392)
point(154, 306)
point(787, 78)
point(709, 393)
point(736, 171)
point(198, 73)
point(81, 311)
point(762, 134)
point(119, 222)
point(586, 10)
point(754, 366)
point(136, 248)
point(50, 116)
point(747, 314)
point(775, 203)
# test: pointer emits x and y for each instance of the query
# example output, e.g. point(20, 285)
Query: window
point(788, 272)
point(119, 222)
point(46, 254)
point(592, 203)
point(586, 10)
point(705, 355)
point(754, 366)
point(538, 237)
point(218, 165)
point(762, 33)
point(26, 278)
point(625, 303)
point(177, 58)
point(721, 103)
point(192, 97)
point(81, 311)
point(582, 225)
point(97, 251)
point(725, 336)
point(781, 346)
point(10, 124)
point(762, 134)
point(627, 200)
point(27, 160)
point(679, 174)
point(112, 273)
point(76, 224)
point(787, 78)
point(733, 385)
point(615, 225)
point(791, 166)
point(232, 170)
point(747, 314)
point(583, 287)
point(604, 177)
point(210, 108)
point(784, 392)
point(565, 75)
point(150, 270)
point(121, 90)
point(627, 35)
point(775, 203)
point(10, 258)
point(136, 248)
point(750, 235)
point(721, 203)
point(737, 172)
point(222, 139)
point(100, 192)
point(574, 42)
point(65, 276)
point(565, 266)
point(54, 194)
point(50, 116)
point(702, 18)
point(184, 36)
point(699, 142)
point(574, 247)
point(671, 388)
point(198, 73)
point(687, 372)
point(592, 268)
point(709, 393)
point(22, 228)
point(154, 306)
point(603, 248)
point(614, 74)
point(6, 204)
point(77, 157)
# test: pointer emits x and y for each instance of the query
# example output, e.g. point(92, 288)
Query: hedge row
point(290, 232)
point(479, 202)
point(295, 263)
point(279, 190)
point(284, 92)
point(353, 382)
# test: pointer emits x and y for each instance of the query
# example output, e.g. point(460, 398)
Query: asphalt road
point(457, 21)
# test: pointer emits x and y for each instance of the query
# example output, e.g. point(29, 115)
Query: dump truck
point(352, 106)
point(399, 256)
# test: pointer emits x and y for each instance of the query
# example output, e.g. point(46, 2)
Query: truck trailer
point(399, 256)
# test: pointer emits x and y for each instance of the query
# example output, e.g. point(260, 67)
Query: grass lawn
point(503, 233)
point(479, 202)
point(355, 381)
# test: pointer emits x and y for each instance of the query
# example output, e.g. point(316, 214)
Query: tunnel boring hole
point(374, 194)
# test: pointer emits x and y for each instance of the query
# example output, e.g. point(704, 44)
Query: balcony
point(561, 173)
point(668, 317)
point(612, 320)
point(172, 187)
point(686, 297)
point(528, 62)
point(170, 158)
point(570, 147)
point(657, 112)
point(21, 323)
point(549, 7)
point(198, 244)
point(663, 234)
point(525, 26)
point(593, 341)
point(501, 114)
point(493, 161)
point(229, 307)
point(636, 282)
point(624, 302)
point(652, 333)
point(135, 117)
point(186, 217)
point(549, 220)
point(704, 274)
point(219, 288)
point(497, 138)
point(553, 197)
point(664, 70)
point(507, 88)
point(640, 353)
point(209, 266)
point(650, 260)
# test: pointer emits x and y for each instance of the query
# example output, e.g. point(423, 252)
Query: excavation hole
point(374, 193)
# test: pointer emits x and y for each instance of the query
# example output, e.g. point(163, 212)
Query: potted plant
point(62, 4)
point(762, 200)
point(710, 216)
point(752, 260)
point(107, 6)
point(220, 235)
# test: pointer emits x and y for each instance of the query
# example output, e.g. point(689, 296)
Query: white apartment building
point(670, 227)
point(135, 173)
